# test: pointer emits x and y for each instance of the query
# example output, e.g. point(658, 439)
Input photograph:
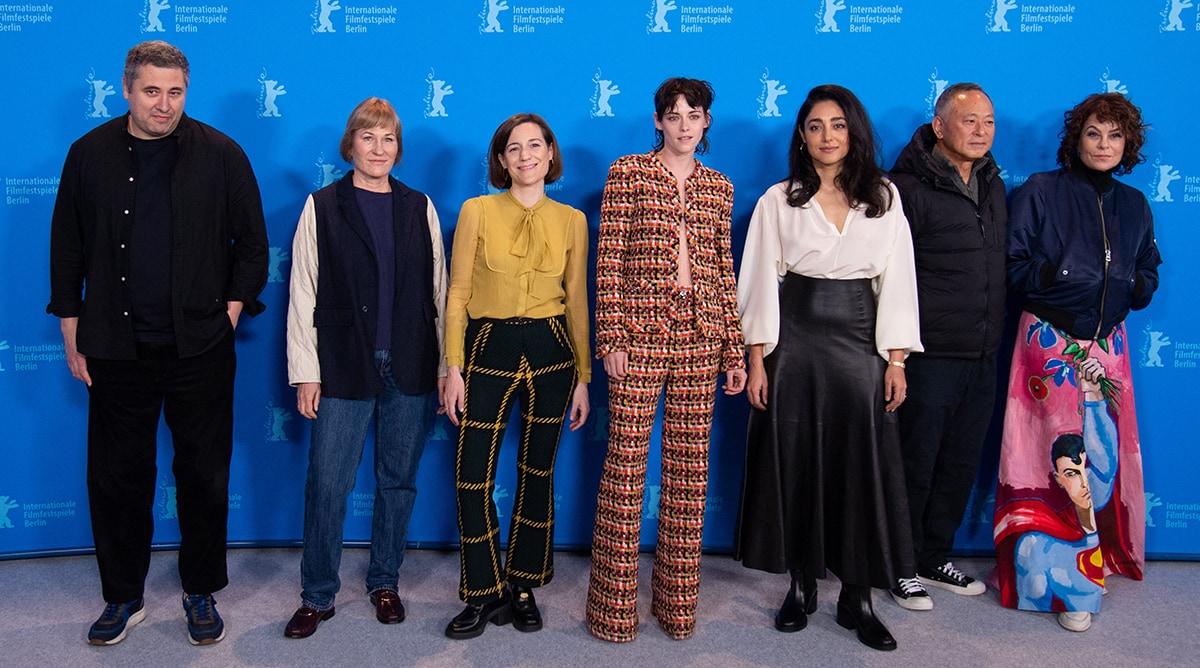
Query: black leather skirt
point(824, 483)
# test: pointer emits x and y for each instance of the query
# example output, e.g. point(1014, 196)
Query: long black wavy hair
point(861, 178)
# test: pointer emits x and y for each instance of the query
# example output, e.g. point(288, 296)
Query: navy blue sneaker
point(115, 621)
point(205, 626)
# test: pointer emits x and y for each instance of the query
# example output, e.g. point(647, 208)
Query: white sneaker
point(1075, 621)
point(910, 594)
point(950, 578)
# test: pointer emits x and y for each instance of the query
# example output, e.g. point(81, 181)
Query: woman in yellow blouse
point(518, 299)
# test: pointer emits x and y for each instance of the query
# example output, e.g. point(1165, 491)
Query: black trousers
point(530, 361)
point(195, 395)
point(943, 423)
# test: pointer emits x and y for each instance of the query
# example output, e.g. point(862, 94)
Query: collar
point(1101, 182)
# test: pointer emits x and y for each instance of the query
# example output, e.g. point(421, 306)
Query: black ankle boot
point(800, 602)
point(854, 611)
point(473, 620)
point(525, 614)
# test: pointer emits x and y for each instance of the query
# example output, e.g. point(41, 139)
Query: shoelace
point(911, 586)
point(950, 571)
point(200, 608)
point(111, 612)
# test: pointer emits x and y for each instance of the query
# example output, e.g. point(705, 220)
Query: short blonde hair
point(373, 112)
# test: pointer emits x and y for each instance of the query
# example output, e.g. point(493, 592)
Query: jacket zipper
point(1107, 260)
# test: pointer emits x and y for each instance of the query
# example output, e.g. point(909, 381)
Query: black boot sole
point(847, 620)
point(499, 616)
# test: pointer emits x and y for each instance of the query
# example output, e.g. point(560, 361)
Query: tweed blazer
point(637, 257)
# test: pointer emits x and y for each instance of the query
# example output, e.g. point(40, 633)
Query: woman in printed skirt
point(1070, 507)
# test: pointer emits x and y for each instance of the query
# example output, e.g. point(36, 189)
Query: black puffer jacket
point(959, 249)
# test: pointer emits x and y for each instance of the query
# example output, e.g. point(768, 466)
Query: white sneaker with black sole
point(950, 578)
point(910, 594)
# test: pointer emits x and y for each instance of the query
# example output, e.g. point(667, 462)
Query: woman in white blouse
point(828, 300)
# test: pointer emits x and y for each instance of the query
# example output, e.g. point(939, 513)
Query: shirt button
point(131, 179)
point(122, 245)
point(364, 309)
point(1064, 272)
point(126, 314)
point(122, 279)
point(126, 212)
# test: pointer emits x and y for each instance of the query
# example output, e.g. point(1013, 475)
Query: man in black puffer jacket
point(954, 200)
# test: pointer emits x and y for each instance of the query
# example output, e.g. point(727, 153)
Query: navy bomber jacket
point(1082, 258)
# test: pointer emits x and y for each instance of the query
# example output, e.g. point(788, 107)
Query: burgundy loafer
point(388, 608)
point(304, 623)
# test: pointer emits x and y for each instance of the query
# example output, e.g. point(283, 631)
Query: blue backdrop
point(280, 77)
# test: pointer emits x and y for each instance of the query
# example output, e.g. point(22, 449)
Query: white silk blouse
point(783, 238)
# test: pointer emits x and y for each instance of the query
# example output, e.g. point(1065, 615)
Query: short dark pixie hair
point(157, 53)
point(697, 92)
point(1108, 107)
point(498, 176)
point(373, 112)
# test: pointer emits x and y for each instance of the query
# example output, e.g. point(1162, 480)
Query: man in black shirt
point(157, 247)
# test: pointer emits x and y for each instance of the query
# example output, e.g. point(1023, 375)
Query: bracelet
point(895, 363)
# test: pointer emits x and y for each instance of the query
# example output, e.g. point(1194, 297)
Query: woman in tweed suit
point(666, 320)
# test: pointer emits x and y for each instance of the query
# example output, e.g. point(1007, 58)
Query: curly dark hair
point(498, 176)
point(698, 93)
point(1107, 107)
point(861, 178)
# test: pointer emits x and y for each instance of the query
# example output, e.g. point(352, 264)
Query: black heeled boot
point(800, 602)
point(525, 613)
point(473, 620)
point(854, 611)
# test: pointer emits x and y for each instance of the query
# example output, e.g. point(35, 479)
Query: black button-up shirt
point(219, 247)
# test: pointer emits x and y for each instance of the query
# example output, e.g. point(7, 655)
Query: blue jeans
point(338, 435)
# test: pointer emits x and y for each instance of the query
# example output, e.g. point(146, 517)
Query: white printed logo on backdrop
point(1152, 502)
point(277, 417)
point(7, 504)
point(936, 86)
point(168, 508)
point(278, 255)
point(320, 15)
point(3, 346)
point(491, 15)
point(438, 89)
point(98, 91)
point(827, 15)
point(327, 173)
point(151, 21)
point(269, 91)
point(1171, 19)
point(1152, 346)
point(1160, 184)
point(768, 99)
point(997, 17)
point(658, 15)
point(604, 91)
point(1112, 85)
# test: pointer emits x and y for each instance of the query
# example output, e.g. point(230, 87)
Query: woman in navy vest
point(368, 278)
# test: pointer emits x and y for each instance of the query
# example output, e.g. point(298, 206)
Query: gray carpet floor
point(46, 606)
